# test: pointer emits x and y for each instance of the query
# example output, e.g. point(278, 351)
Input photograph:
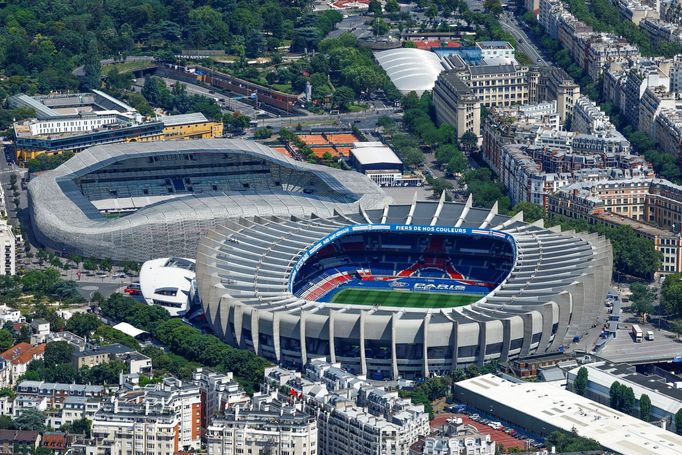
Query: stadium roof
point(410, 70)
point(559, 408)
point(373, 153)
point(63, 217)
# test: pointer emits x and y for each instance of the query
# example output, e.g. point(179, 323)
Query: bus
point(637, 333)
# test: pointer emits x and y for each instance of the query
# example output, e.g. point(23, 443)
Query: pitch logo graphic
point(438, 287)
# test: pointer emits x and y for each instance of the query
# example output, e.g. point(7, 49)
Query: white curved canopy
point(410, 70)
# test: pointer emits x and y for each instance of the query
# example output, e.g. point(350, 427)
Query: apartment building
point(158, 419)
point(652, 103)
point(533, 157)
point(219, 392)
point(556, 84)
point(8, 245)
point(137, 362)
point(283, 431)
point(652, 207)
point(56, 393)
point(18, 358)
point(352, 416)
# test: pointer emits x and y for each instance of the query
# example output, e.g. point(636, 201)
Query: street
point(523, 43)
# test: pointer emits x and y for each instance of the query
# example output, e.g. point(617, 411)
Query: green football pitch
point(403, 298)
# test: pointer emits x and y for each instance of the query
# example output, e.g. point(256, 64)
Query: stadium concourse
point(401, 291)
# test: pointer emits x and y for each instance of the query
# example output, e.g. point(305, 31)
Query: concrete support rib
point(412, 207)
point(238, 316)
point(527, 334)
point(384, 215)
point(465, 211)
point(518, 218)
point(332, 350)
point(489, 218)
point(366, 217)
point(395, 319)
point(363, 361)
point(441, 202)
point(482, 342)
point(254, 329)
point(275, 337)
point(425, 340)
point(454, 342)
point(301, 335)
point(506, 340)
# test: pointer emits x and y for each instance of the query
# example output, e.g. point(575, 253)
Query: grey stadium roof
point(410, 70)
point(552, 294)
point(64, 219)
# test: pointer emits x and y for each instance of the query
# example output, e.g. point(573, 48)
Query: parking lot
point(664, 348)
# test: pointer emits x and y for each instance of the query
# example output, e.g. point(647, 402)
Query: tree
point(676, 327)
point(374, 7)
point(671, 294)
point(81, 426)
point(343, 97)
point(392, 6)
point(580, 383)
point(642, 298)
point(6, 340)
point(380, 27)
point(457, 164)
point(57, 353)
point(412, 156)
point(262, 133)
point(156, 92)
point(615, 395)
point(571, 442)
point(628, 400)
point(678, 421)
point(531, 212)
point(439, 185)
point(30, 419)
point(645, 407)
point(493, 7)
point(83, 324)
point(469, 141)
point(91, 67)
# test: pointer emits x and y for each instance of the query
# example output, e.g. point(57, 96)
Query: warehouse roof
point(410, 70)
point(560, 408)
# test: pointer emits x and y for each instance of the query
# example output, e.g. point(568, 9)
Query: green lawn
point(403, 298)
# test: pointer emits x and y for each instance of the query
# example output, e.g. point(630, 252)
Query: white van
point(650, 335)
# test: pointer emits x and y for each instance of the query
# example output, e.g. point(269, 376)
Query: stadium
point(140, 201)
point(401, 291)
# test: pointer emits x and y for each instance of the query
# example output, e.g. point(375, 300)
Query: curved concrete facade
point(69, 205)
point(552, 294)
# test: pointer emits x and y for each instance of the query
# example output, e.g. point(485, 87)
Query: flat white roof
point(128, 329)
point(183, 119)
point(374, 153)
point(658, 400)
point(560, 408)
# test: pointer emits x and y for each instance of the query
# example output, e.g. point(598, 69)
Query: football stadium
point(145, 200)
point(400, 291)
